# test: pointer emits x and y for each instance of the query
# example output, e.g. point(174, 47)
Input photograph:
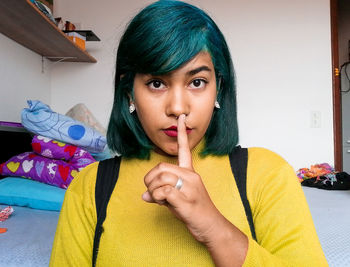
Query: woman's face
point(160, 99)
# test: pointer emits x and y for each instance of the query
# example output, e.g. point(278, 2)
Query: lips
point(172, 131)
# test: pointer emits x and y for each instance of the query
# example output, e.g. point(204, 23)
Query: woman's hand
point(190, 203)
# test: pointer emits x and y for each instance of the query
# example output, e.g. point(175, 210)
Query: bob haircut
point(161, 38)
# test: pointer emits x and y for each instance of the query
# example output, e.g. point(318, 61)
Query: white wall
point(282, 55)
point(92, 84)
point(21, 79)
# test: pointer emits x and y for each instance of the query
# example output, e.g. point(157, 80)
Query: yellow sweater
point(137, 233)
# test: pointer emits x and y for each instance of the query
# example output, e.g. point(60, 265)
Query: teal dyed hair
point(161, 38)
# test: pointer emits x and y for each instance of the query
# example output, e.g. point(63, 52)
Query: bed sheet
point(28, 240)
point(331, 214)
point(29, 237)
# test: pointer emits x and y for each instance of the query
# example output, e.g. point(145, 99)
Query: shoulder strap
point(107, 176)
point(239, 162)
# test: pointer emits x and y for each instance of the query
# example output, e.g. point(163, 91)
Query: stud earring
point(131, 108)
point(217, 105)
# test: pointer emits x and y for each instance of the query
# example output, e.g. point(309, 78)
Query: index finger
point(184, 152)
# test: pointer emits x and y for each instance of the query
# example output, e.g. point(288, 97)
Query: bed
point(330, 211)
point(29, 238)
point(39, 157)
point(30, 232)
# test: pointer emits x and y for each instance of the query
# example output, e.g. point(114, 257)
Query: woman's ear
point(131, 105)
point(131, 101)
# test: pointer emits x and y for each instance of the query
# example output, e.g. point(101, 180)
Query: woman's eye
point(198, 83)
point(155, 84)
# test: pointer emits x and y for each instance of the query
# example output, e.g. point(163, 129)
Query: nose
point(177, 102)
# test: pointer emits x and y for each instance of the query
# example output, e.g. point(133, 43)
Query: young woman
point(176, 202)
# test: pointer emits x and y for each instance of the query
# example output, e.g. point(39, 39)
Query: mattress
point(28, 240)
point(331, 214)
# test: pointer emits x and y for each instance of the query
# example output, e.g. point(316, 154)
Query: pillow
point(53, 149)
point(106, 154)
point(41, 120)
point(42, 166)
point(18, 191)
point(36, 167)
point(81, 113)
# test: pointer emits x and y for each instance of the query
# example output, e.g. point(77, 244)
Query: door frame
point(337, 104)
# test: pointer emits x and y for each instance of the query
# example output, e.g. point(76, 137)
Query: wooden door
point(337, 114)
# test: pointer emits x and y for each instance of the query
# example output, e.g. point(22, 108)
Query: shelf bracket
point(59, 59)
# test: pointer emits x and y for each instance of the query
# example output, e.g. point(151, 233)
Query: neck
point(162, 156)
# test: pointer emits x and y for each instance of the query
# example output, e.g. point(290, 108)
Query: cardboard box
point(78, 39)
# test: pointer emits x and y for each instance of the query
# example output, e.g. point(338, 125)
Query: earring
point(217, 105)
point(131, 108)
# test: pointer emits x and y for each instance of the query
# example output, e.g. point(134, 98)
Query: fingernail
point(146, 196)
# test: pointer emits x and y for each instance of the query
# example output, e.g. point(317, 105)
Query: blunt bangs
point(174, 34)
point(161, 38)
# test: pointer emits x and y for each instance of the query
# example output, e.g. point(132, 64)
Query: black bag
point(337, 181)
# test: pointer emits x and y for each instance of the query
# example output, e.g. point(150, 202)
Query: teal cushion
point(18, 191)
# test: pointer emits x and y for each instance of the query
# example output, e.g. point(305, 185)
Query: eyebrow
point(189, 73)
point(197, 70)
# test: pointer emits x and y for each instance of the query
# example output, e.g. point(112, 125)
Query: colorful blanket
point(51, 162)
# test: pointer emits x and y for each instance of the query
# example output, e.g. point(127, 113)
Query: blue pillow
point(41, 120)
point(18, 191)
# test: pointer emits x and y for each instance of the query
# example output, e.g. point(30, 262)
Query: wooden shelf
point(22, 22)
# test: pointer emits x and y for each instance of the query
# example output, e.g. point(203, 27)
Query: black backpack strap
point(239, 162)
point(107, 176)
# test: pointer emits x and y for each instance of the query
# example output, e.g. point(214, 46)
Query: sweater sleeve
point(285, 232)
point(76, 225)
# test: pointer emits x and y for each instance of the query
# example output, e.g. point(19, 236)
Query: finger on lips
point(161, 180)
point(184, 152)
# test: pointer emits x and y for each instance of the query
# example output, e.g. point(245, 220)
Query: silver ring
point(179, 184)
